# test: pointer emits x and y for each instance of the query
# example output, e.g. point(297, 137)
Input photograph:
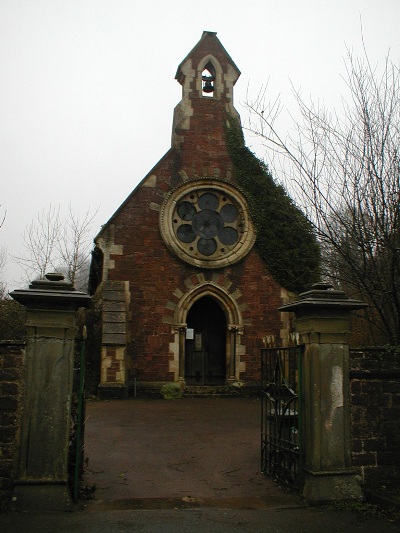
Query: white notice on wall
point(190, 333)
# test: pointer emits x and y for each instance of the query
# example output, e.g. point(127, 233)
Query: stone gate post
point(42, 469)
point(323, 324)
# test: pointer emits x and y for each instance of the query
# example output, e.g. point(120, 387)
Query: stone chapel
point(181, 290)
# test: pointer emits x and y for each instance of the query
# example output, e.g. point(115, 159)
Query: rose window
point(209, 226)
point(207, 222)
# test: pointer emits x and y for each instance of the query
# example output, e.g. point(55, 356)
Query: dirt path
point(184, 450)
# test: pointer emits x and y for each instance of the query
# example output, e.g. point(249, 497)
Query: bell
point(208, 87)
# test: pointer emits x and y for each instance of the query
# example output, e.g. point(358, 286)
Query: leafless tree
point(74, 247)
point(3, 261)
point(343, 169)
point(2, 218)
point(53, 242)
point(40, 241)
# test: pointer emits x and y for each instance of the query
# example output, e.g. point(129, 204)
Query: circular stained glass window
point(208, 200)
point(228, 235)
point(185, 233)
point(206, 246)
point(186, 210)
point(207, 224)
point(229, 213)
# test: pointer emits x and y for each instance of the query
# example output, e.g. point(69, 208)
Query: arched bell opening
point(206, 343)
point(208, 80)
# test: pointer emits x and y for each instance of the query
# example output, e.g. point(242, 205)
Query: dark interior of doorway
point(205, 348)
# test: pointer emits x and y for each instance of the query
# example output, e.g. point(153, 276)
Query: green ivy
point(285, 238)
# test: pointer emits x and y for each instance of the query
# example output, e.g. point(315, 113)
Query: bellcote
point(208, 71)
point(207, 76)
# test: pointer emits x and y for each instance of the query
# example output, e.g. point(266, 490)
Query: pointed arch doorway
point(205, 345)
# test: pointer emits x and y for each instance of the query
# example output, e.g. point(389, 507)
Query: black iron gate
point(76, 441)
point(281, 454)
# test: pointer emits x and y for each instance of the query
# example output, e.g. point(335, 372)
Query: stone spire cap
point(54, 292)
point(210, 41)
point(323, 295)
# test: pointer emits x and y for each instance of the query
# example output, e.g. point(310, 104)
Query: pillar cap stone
point(323, 295)
point(54, 292)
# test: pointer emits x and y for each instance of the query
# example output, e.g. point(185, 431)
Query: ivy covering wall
point(285, 238)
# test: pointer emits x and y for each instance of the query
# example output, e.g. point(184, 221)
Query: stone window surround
point(237, 252)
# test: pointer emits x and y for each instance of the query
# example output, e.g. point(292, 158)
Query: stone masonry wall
point(135, 253)
point(11, 366)
point(375, 413)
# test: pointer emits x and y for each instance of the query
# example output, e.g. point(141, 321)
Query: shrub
point(171, 391)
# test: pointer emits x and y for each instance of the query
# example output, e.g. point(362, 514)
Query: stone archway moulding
point(228, 304)
point(233, 311)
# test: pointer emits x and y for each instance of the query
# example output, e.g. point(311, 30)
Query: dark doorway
point(205, 348)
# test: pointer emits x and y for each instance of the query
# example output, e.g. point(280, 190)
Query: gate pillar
point(42, 468)
point(323, 324)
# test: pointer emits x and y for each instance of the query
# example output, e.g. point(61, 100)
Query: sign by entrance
point(197, 342)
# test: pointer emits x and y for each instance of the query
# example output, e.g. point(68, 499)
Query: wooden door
point(205, 348)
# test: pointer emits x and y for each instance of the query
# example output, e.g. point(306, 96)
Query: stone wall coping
point(375, 374)
point(322, 295)
point(51, 293)
point(12, 343)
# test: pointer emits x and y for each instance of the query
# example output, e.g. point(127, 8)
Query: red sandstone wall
point(154, 274)
point(375, 415)
point(11, 367)
point(152, 271)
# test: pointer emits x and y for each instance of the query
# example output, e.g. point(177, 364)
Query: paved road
point(303, 520)
point(192, 448)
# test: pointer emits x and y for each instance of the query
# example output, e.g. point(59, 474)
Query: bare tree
point(74, 247)
point(40, 241)
point(3, 261)
point(53, 242)
point(2, 218)
point(343, 169)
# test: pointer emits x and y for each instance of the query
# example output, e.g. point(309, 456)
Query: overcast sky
point(87, 87)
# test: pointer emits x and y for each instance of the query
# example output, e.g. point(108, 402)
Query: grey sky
point(87, 87)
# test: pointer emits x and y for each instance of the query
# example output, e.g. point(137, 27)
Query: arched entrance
point(205, 346)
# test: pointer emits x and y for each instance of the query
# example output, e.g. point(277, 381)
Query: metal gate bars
point(281, 456)
point(76, 445)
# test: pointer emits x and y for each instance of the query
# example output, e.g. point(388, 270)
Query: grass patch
point(171, 391)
